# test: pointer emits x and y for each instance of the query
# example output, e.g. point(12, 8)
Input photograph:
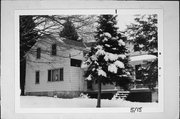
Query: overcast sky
point(124, 20)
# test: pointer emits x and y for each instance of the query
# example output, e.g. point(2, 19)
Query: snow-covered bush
point(55, 96)
point(82, 95)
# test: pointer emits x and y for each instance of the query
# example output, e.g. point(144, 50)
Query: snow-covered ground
point(45, 102)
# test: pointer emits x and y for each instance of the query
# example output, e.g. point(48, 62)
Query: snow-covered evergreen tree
point(107, 62)
point(144, 34)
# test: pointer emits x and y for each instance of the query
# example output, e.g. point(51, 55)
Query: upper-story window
point(54, 50)
point(38, 56)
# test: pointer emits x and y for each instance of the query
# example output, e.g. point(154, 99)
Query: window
point(76, 63)
point(55, 75)
point(38, 53)
point(53, 50)
point(136, 48)
point(89, 85)
point(37, 77)
point(138, 71)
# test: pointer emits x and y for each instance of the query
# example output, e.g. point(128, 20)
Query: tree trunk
point(99, 94)
point(22, 76)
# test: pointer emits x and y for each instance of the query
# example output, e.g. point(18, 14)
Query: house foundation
point(59, 94)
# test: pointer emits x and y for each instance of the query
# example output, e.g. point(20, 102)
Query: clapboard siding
point(77, 80)
point(44, 85)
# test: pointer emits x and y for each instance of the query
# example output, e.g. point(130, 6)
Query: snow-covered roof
point(74, 43)
point(90, 44)
point(65, 41)
point(142, 57)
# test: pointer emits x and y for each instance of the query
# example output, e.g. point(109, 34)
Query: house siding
point(76, 80)
point(44, 85)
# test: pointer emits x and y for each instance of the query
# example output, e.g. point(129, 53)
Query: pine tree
point(144, 33)
point(107, 62)
point(69, 31)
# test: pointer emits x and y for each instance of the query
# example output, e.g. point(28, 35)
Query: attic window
point(54, 50)
point(38, 53)
point(76, 62)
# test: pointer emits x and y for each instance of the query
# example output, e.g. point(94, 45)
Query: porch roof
point(143, 57)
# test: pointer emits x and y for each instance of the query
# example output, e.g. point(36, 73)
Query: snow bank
point(50, 102)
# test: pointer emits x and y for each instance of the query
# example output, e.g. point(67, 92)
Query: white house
point(53, 68)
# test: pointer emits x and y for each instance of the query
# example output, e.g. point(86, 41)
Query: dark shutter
point(61, 74)
point(37, 77)
point(38, 53)
point(49, 75)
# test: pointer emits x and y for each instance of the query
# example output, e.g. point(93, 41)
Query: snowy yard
point(45, 102)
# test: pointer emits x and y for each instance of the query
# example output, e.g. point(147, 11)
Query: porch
point(133, 95)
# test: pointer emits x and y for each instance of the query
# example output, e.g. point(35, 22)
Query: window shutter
point(49, 75)
point(61, 74)
point(37, 77)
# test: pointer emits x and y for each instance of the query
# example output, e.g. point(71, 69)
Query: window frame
point(79, 62)
point(60, 72)
point(136, 71)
